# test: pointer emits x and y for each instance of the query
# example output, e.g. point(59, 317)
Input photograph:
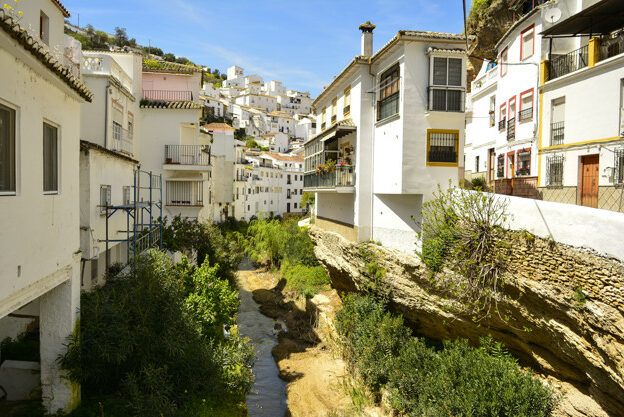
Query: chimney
point(367, 38)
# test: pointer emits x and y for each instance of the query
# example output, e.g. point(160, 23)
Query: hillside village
point(105, 148)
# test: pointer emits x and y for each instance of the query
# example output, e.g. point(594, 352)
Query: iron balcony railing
point(346, 109)
point(501, 124)
point(526, 114)
point(557, 133)
point(187, 154)
point(561, 65)
point(168, 95)
point(341, 177)
point(121, 140)
point(511, 128)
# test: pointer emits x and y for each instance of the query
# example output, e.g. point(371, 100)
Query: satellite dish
point(552, 15)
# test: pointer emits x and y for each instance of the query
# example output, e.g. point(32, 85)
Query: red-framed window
point(527, 42)
point(502, 116)
point(511, 154)
point(500, 165)
point(504, 59)
point(527, 100)
point(511, 108)
point(523, 162)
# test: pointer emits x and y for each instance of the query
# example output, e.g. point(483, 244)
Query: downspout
point(106, 116)
point(372, 169)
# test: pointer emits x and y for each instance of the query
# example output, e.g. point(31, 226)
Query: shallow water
point(268, 394)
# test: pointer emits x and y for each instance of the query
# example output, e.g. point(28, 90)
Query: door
point(589, 181)
point(287, 207)
point(491, 161)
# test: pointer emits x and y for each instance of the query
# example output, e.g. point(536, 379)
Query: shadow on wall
point(396, 220)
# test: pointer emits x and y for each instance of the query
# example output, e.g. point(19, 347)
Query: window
point(7, 150)
point(50, 159)
point(554, 171)
point(477, 163)
point(130, 125)
point(125, 190)
point(504, 59)
point(618, 176)
point(524, 163)
point(621, 133)
point(347, 102)
point(511, 122)
point(323, 124)
point(389, 83)
point(500, 166)
point(295, 205)
point(526, 105)
point(333, 110)
point(502, 118)
point(445, 73)
point(44, 28)
point(442, 146)
point(185, 193)
point(492, 111)
point(527, 44)
point(301, 191)
point(557, 125)
point(105, 198)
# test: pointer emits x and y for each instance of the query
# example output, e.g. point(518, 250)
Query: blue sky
point(303, 43)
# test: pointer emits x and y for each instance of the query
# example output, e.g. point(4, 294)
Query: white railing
point(101, 64)
point(185, 193)
point(485, 80)
point(121, 141)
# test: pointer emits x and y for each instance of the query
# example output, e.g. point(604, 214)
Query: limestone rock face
point(581, 346)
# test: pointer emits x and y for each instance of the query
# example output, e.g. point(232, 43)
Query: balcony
point(185, 193)
point(501, 125)
point(187, 155)
point(557, 133)
point(511, 129)
point(102, 64)
point(612, 46)
point(121, 141)
point(526, 114)
point(167, 95)
point(343, 176)
point(561, 65)
point(485, 81)
point(446, 99)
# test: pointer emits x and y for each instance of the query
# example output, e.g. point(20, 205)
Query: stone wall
point(541, 321)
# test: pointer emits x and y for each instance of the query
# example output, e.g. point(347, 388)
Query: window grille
point(388, 88)
point(524, 163)
point(442, 147)
point(554, 171)
point(500, 166)
point(619, 166)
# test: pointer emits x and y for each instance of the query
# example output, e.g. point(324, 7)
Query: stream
point(267, 397)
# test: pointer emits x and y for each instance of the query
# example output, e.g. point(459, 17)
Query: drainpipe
point(106, 116)
point(372, 169)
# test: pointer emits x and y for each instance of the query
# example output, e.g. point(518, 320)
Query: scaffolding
point(143, 229)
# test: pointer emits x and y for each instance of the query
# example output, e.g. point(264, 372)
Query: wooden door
point(589, 181)
point(491, 162)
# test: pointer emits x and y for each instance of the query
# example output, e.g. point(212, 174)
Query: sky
point(303, 43)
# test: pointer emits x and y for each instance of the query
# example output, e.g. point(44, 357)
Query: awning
point(600, 19)
point(338, 130)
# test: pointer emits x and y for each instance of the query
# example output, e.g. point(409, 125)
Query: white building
point(221, 194)
point(110, 133)
point(305, 127)
point(278, 142)
point(378, 157)
point(259, 101)
point(39, 193)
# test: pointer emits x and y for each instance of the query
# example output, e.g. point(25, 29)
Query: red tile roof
point(218, 126)
point(282, 157)
point(63, 9)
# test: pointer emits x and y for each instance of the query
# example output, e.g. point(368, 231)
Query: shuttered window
point(7, 150)
point(50, 158)
point(447, 71)
point(389, 85)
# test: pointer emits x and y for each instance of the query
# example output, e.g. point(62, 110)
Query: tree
point(169, 57)
point(121, 37)
point(308, 200)
point(239, 134)
point(216, 73)
point(182, 60)
point(251, 143)
point(153, 50)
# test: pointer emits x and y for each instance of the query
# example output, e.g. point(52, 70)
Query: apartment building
point(533, 130)
point(391, 127)
point(221, 193)
point(109, 155)
point(40, 103)
point(172, 143)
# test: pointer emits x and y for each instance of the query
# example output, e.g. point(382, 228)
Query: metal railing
point(168, 95)
point(557, 133)
point(341, 177)
point(446, 99)
point(526, 114)
point(501, 124)
point(511, 128)
point(346, 109)
point(187, 154)
point(561, 65)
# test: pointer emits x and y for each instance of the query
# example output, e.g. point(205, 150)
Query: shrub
point(24, 348)
point(307, 280)
point(479, 184)
point(455, 380)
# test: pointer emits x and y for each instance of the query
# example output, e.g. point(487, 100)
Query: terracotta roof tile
point(218, 126)
point(40, 51)
point(164, 104)
point(63, 9)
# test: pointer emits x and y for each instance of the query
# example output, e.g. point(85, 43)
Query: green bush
point(144, 348)
point(455, 380)
point(307, 280)
point(24, 348)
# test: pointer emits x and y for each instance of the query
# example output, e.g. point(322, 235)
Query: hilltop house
point(390, 128)
point(40, 102)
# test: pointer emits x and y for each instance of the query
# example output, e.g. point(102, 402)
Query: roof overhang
point(602, 18)
point(338, 130)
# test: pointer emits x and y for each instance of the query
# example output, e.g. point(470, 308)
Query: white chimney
point(367, 38)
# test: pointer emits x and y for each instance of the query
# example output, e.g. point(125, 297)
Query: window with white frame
point(618, 176)
point(50, 158)
point(445, 90)
point(347, 101)
point(554, 171)
point(44, 27)
point(527, 43)
point(130, 125)
point(524, 163)
point(105, 197)
point(492, 111)
point(557, 122)
point(388, 88)
point(126, 195)
point(7, 149)
point(526, 105)
point(504, 59)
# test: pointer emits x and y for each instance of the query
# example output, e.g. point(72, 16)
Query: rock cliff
point(574, 339)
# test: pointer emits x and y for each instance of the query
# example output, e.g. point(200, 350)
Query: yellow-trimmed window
point(442, 147)
point(323, 123)
point(347, 102)
point(333, 110)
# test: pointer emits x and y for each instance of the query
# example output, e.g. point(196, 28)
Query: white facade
point(388, 163)
point(221, 195)
point(278, 142)
point(39, 194)
point(260, 101)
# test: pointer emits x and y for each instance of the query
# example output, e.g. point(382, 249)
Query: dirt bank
point(314, 373)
